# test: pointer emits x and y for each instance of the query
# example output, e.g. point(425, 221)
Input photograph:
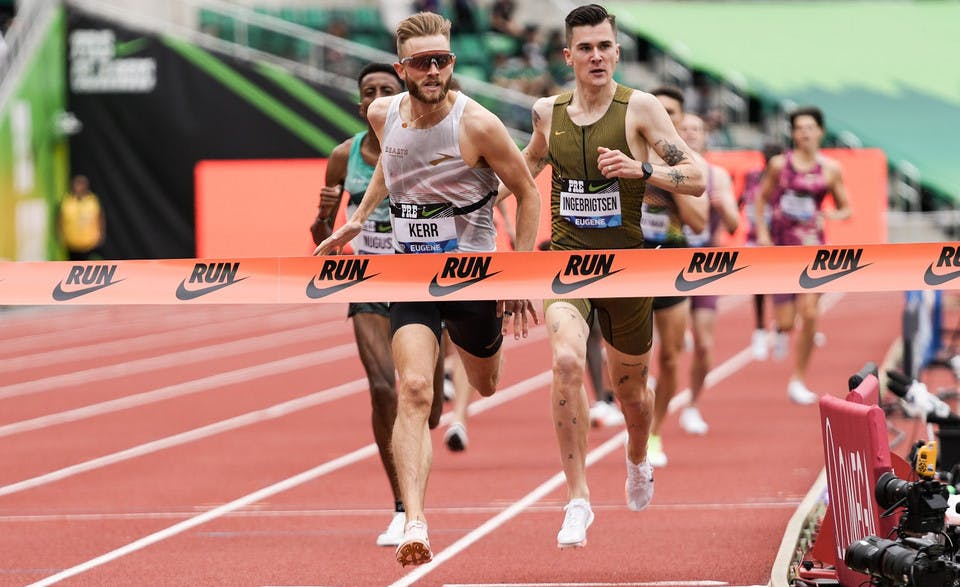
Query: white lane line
point(117, 324)
point(647, 584)
point(737, 362)
point(503, 396)
point(190, 331)
point(180, 389)
point(276, 411)
point(724, 370)
point(544, 489)
point(289, 483)
point(545, 506)
point(172, 360)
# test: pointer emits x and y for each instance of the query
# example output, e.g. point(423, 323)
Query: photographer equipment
point(918, 402)
point(914, 559)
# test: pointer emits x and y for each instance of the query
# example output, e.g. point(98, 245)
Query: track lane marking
point(725, 369)
point(166, 361)
point(276, 411)
point(144, 342)
point(510, 393)
point(181, 389)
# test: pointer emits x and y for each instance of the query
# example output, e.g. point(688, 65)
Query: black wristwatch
point(647, 170)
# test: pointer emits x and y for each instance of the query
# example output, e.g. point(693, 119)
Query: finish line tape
point(508, 275)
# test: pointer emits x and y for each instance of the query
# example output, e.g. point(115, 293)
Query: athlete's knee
point(668, 360)
point(568, 366)
point(809, 314)
point(416, 390)
point(634, 394)
point(486, 384)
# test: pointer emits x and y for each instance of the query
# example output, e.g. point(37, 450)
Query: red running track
point(231, 445)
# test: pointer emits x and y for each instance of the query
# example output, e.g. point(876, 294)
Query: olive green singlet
point(590, 211)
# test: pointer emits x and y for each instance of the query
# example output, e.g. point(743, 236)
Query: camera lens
point(890, 489)
point(881, 558)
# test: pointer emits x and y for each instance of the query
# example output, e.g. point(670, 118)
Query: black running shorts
point(473, 326)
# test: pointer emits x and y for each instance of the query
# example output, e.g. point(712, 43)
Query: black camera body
point(924, 502)
point(911, 559)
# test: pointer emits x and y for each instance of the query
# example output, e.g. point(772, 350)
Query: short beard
point(415, 91)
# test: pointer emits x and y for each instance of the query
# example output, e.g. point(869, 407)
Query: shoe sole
point(455, 443)
point(580, 544)
point(388, 541)
point(414, 553)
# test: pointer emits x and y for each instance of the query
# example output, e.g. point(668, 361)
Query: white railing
point(22, 38)
point(312, 54)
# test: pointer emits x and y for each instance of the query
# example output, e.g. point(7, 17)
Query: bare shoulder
point(478, 121)
point(642, 101)
point(543, 107)
point(377, 111)
point(830, 165)
point(777, 164)
point(342, 150)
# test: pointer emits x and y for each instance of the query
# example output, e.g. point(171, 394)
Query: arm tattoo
point(538, 166)
point(536, 118)
point(677, 177)
point(672, 154)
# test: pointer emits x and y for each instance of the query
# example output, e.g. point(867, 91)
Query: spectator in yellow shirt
point(81, 223)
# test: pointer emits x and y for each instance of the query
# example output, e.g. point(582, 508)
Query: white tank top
point(438, 203)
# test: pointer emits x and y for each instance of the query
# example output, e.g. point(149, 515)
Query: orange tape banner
point(508, 275)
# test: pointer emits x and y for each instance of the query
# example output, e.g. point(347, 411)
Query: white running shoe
point(456, 437)
point(692, 422)
point(415, 547)
point(639, 485)
point(819, 339)
point(393, 535)
point(655, 455)
point(798, 393)
point(759, 344)
point(599, 412)
point(781, 346)
point(579, 516)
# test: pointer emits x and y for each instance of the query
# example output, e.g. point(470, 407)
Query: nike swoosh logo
point(431, 212)
point(63, 296)
point(807, 282)
point(931, 278)
point(684, 284)
point(558, 133)
point(560, 287)
point(437, 290)
point(190, 294)
point(315, 293)
point(596, 188)
point(443, 157)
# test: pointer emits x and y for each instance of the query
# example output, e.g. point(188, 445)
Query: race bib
point(425, 228)
point(798, 205)
point(375, 238)
point(654, 222)
point(591, 203)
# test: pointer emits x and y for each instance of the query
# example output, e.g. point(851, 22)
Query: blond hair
point(422, 24)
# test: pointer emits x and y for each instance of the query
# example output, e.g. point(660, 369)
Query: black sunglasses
point(423, 62)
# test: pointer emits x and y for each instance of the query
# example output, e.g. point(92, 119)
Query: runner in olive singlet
point(599, 140)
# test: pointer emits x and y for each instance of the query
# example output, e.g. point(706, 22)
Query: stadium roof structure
point(884, 71)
